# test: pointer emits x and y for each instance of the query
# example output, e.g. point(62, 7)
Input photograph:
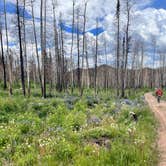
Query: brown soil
point(159, 110)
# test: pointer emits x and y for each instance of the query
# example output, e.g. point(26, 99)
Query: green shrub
point(9, 106)
point(64, 151)
point(97, 133)
point(75, 120)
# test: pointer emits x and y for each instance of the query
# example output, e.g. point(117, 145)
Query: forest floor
point(159, 110)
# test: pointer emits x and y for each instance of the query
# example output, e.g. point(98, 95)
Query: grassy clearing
point(68, 130)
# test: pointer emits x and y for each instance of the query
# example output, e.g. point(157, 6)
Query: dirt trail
point(160, 113)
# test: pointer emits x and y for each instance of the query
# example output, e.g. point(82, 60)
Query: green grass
point(164, 95)
point(55, 131)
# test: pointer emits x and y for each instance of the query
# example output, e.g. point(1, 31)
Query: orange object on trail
point(159, 92)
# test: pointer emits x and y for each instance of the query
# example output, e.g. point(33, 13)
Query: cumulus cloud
point(146, 21)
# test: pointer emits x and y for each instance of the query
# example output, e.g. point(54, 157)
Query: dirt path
point(160, 113)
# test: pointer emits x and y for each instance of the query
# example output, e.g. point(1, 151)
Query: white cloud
point(151, 22)
point(145, 21)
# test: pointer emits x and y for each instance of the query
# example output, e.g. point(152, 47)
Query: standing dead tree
point(141, 65)
point(96, 57)
point(20, 47)
point(78, 50)
point(128, 6)
point(106, 74)
point(3, 60)
point(2, 52)
point(154, 46)
point(36, 46)
point(43, 44)
point(24, 46)
point(62, 55)
point(9, 56)
point(71, 52)
point(161, 70)
point(57, 49)
point(83, 46)
point(117, 45)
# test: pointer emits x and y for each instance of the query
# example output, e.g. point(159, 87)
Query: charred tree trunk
point(118, 45)
point(78, 52)
point(21, 51)
point(43, 47)
point(3, 62)
point(123, 70)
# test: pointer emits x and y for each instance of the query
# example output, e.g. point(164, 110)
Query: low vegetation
point(68, 130)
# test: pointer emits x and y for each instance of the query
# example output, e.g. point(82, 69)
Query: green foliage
point(8, 105)
point(75, 120)
point(55, 131)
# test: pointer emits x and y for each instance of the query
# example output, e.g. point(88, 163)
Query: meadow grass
point(70, 130)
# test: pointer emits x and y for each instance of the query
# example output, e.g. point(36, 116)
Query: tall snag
point(3, 60)
point(9, 56)
point(117, 45)
point(21, 51)
point(72, 44)
point(96, 57)
point(83, 47)
point(43, 45)
point(78, 50)
point(36, 46)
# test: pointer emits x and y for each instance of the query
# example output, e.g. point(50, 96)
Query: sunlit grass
point(69, 130)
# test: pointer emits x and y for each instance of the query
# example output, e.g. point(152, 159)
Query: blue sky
point(159, 4)
point(95, 31)
point(11, 8)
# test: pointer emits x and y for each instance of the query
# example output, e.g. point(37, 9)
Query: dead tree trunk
point(62, 56)
point(87, 66)
point(3, 62)
point(78, 51)
point(8, 55)
point(25, 51)
point(21, 51)
point(57, 52)
point(43, 49)
point(96, 58)
point(154, 45)
point(128, 9)
point(36, 47)
point(106, 62)
point(142, 66)
point(118, 45)
point(83, 49)
point(122, 69)
point(71, 53)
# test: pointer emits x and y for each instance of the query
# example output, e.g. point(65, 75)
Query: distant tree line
point(49, 66)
